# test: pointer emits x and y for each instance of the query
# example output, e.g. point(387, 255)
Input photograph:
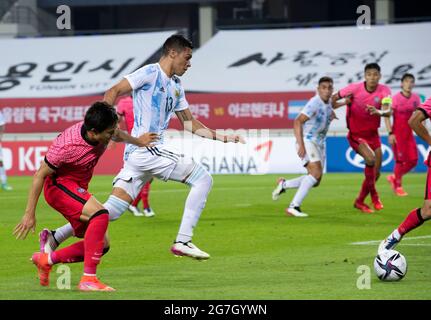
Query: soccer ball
point(390, 265)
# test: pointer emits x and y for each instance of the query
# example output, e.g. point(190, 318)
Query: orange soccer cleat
point(400, 192)
point(363, 207)
point(91, 283)
point(378, 205)
point(43, 267)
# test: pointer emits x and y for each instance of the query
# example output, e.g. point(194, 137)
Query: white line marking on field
point(374, 242)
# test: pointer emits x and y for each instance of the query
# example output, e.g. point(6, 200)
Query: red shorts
point(370, 138)
point(405, 150)
point(68, 198)
point(428, 185)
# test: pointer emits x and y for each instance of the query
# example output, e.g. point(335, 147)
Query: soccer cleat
point(6, 187)
point(391, 180)
point(278, 189)
point(91, 283)
point(43, 267)
point(400, 192)
point(377, 204)
point(296, 212)
point(148, 212)
point(388, 244)
point(47, 241)
point(363, 207)
point(188, 249)
point(135, 211)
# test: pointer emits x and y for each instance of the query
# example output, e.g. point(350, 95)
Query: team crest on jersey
point(81, 190)
point(177, 94)
point(415, 104)
point(376, 99)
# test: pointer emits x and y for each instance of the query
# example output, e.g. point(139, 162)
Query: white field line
point(376, 242)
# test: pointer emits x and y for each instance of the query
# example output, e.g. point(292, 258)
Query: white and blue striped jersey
point(319, 114)
point(2, 120)
point(156, 97)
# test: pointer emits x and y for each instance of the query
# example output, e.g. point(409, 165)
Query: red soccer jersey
point(358, 118)
point(403, 108)
point(125, 109)
point(426, 109)
point(73, 157)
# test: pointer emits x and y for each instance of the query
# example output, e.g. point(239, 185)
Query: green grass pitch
point(257, 252)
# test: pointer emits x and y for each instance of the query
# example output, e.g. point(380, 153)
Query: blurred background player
point(418, 215)
point(401, 137)
point(310, 128)
point(3, 177)
point(64, 176)
point(125, 112)
point(368, 101)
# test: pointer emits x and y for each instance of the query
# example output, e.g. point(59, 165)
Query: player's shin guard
point(370, 179)
point(201, 182)
point(94, 241)
point(70, 254)
point(116, 207)
point(413, 220)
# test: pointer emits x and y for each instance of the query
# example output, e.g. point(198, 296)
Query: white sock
point(396, 234)
point(3, 177)
point(63, 233)
point(306, 184)
point(116, 207)
point(201, 184)
point(293, 183)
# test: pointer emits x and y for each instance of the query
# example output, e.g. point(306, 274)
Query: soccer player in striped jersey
point(401, 137)
point(368, 101)
point(157, 95)
point(417, 216)
point(64, 176)
point(310, 128)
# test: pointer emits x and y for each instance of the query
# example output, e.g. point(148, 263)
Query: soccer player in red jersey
point(401, 137)
point(418, 215)
point(367, 102)
point(64, 177)
point(125, 111)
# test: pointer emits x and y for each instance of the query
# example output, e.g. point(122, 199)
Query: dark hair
point(100, 116)
point(176, 42)
point(325, 79)
point(372, 65)
point(407, 75)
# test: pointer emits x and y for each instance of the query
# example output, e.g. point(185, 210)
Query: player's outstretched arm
point(338, 102)
point(28, 221)
point(196, 127)
point(416, 123)
point(144, 140)
point(121, 88)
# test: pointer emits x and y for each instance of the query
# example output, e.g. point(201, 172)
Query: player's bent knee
point(426, 211)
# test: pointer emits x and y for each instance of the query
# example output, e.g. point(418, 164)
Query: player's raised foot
point(135, 211)
point(278, 189)
point(296, 212)
point(47, 241)
point(43, 267)
point(148, 212)
point(391, 179)
point(188, 249)
point(388, 244)
point(400, 192)
point(363, 207)
point(377, 204)
point(91, 283)
point(6, 187)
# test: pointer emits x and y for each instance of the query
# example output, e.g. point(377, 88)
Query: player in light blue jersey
point(310, 128)
point(157, 95)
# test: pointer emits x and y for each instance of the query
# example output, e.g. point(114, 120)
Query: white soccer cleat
point(47, 242)
point(296, 212)
point(388, 244)
point(148, 212)
point(135, 211)
point(278, 189)
point(188, 249)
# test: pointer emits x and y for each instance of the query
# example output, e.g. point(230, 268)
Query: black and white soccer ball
point(390, 265)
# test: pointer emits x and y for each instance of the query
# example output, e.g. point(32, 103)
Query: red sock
point(364, 192)
point(413, 220)
point(145, 195)
point(70, 254)
point(401, 168)
point(370, 179)
point(94, 241)
point(136, 201)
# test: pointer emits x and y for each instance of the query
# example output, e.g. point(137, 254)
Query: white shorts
point(314, 153)
point(146, 163)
